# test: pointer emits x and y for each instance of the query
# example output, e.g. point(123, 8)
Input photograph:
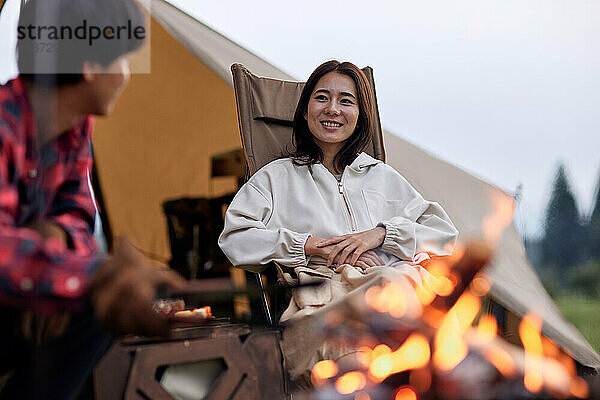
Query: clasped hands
point(354, 248)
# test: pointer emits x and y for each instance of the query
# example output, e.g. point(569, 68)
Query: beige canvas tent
point(158, 143)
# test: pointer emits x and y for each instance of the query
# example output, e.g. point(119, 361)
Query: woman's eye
point(321, 97)
point(347, 101)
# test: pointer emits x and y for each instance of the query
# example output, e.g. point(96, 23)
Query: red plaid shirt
point(50, 183)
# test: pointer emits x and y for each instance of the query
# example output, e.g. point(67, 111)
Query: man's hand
point(348, 248)
point(124, 289)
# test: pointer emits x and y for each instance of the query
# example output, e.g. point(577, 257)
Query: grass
point(584, 313)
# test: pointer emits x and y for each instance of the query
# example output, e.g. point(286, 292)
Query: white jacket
point(283, 204)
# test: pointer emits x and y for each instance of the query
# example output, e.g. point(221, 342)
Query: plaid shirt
point(49, 184)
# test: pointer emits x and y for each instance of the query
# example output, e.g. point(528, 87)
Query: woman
point(329, 211)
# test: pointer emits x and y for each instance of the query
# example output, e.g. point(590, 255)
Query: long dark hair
point(307, 151)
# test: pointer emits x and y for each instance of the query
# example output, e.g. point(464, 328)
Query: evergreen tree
point(593, 228)
point(564, 236)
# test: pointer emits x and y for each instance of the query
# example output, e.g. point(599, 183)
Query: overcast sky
point(505, 89)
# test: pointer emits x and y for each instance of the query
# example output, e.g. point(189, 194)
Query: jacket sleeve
point(247, 241)
point(423, 226)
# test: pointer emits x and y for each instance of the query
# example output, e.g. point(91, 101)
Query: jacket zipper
point(341, 190)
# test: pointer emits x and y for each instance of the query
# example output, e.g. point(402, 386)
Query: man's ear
point(89, 69)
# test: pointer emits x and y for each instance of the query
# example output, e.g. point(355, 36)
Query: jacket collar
point(363, 161)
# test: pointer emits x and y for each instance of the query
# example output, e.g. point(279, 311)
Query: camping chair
point(266, 110)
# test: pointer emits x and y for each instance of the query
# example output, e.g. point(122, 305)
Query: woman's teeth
point(331, 124)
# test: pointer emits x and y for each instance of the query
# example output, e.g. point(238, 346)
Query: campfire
point(432, 341)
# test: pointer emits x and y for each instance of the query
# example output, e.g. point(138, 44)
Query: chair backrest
point(266, 110)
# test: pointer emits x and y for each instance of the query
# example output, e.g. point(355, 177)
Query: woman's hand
point(311, 248)
point(351, 246)
point(368, 259)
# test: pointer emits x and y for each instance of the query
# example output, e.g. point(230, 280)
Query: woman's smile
point(332, 125)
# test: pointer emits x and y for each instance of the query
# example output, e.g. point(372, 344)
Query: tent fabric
point(266, 109)
point(468, 200)
point(158, 143)
point(215, 50)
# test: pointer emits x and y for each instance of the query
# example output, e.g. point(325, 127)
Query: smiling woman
point(330, 213)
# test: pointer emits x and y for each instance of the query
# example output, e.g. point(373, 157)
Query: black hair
point(55, 37)
point(307, 151)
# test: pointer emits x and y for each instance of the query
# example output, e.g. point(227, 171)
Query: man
point(57, 297)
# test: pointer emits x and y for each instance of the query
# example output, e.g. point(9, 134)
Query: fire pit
point(444, 348)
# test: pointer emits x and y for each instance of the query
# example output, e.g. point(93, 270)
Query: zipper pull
point(340, 187)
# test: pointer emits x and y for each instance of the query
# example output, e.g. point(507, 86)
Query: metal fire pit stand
point(253, 360)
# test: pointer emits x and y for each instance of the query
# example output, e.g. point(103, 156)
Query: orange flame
point(424, 292)
point(387, 299)
point(529, 331)
point(444, 286)
point(449, 353)
point(487, 328)
point(450, 348)
point(380, 350)
point(205, 311)
point(465, 310)
point(501, 360)
point(579, 388)
point(322, 371)
point(397, 303)
point(405, 393)
point(568, 363)
point(413, 354)
point(350, 382)
point(494, 224)
point(550, 349)
point(438, 267)
point(438, 278)
point(554, 371)
point(433, 317)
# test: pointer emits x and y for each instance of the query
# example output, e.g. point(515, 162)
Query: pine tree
point(564, 236)
point(593, 228)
